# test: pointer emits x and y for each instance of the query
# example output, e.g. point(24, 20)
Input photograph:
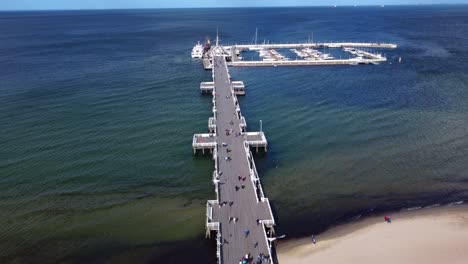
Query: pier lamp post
point(261, 125)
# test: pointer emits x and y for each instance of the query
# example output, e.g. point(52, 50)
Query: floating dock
point(241, 215)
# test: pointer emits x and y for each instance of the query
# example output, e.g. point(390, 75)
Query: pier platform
point(240, 216)
point(237, 86)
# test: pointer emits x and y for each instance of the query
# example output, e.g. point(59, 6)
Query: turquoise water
point(98, 110)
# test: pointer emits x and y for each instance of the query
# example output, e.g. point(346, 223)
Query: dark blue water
point(98, 109)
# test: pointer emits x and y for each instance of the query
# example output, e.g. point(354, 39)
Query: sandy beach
point(437, 235)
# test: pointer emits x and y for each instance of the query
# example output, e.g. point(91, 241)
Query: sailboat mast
point(256, 36)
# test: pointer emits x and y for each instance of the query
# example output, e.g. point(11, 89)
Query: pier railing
point(219, 242)
point(268, 243)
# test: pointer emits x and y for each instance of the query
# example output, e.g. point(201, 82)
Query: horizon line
point(225, 7)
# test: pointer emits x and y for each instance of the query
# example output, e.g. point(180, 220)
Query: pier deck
point(242, 199)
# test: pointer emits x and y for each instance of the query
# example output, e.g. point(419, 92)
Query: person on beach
point(388, 219)
point(313, 239)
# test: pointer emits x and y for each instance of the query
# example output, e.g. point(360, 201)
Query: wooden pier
point(241, 216)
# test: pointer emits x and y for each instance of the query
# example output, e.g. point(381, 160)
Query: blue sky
point(111, 4)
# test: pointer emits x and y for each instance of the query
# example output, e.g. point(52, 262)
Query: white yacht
point(197, 51)
point(326, 56)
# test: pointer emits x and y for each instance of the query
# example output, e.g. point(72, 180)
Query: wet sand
point(436, 235)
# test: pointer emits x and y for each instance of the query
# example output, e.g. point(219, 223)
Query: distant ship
point(197, 51)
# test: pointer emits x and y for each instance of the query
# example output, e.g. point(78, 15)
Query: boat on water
point(263, 53)
point(326, 56)
point(197, 51)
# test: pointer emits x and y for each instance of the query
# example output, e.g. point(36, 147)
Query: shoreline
point(416, 235)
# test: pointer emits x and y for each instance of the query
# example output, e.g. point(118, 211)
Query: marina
point(306, 54)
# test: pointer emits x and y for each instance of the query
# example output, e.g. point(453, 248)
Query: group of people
point(261, 258)
point(226, 202)
point(248, 259)
point(237, 187)
point(387, 219)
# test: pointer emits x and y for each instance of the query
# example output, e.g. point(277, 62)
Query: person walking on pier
point(246, 232)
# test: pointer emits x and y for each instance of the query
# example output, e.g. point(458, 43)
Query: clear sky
point(114, 4)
